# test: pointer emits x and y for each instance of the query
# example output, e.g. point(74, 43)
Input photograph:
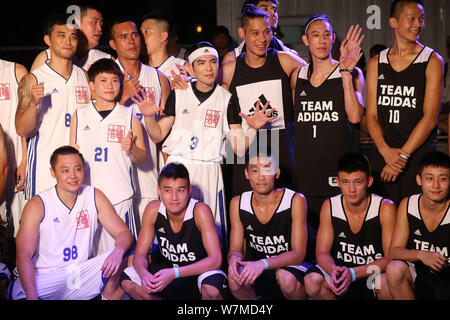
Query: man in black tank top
point(421, 242)
point(268, 237)
point(185, 263)
point(260, 77)
point(403, 98)
point(353, 238)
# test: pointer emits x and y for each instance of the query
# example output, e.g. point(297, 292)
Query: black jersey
point(269, 239)
point(350, 249)
point(400, 97)
point(420, 238)
point(182, 248)
point(266, 83)
point(322, 133)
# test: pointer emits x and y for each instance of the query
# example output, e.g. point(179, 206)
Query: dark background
point(22, 23)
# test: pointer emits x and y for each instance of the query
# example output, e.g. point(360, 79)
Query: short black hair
point(260, 152)
point(254, 3)
point(435, 159)
point(161, 17)
point(104, 66)
point(174, 170)
point(118, 20)
point(62, 151)
point(56, 20)
point(250, 13)
point(397, 5)
point(353, 162)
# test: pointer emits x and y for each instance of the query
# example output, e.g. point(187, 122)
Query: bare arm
point(3, 162)
point(136, 149)
point(290, 62)
point(30, 95)
point(227, 72)
point(325, 238)
point(26, 242)
point(433, 93)
point(39, 60)
point(235, 253)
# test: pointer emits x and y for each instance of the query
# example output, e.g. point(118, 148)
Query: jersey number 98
point(70, 253)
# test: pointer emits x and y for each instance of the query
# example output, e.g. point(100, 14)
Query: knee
point(127, 285)
point(396, 272)
point(210, 293)
point(381, 288)
point(313, 283)
point(287, 281)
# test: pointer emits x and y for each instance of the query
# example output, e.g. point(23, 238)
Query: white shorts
point(207, 186)
point(81, 281)
point(104, 241)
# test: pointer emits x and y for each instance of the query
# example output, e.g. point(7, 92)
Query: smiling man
point(420, 245)
point(56, 235)
point(353, 239)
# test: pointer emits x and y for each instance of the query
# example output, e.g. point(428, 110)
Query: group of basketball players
point(134, 203)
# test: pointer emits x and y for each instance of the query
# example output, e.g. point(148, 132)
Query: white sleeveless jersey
point(147, 173)
point(169, 65)
point(86, 61)
point(8, 106)
point(65, 235)
point(200, 129)
point(54, 113)
point(108, 167)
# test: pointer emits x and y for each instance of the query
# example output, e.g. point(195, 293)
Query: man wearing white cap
point(199, 121)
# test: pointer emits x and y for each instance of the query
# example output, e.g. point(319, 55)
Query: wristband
point(177, 272)
point(266, 264)
point(345, 70)
point(352, 271)
point(403, 156)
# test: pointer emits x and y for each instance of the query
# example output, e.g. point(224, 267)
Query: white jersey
point(65, 235)
point(147, 173)
point(61, 98)
point(99, 139)
point(8, 106)
point(170, 64)
point(200, 129)
point(87, 60)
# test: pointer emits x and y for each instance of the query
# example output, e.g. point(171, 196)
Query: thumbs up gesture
point(128, 142)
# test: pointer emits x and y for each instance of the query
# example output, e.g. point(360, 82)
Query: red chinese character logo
point(212, 118)
point(5, 93)
point(83, 220)
point(116, 133)
point(81, 94)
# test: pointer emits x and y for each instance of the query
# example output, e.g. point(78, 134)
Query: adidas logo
point(206, 51)
point(303, 94)
point(342, 235)
point(250, 228)
point(417, 233)
point(55, 91)
point(161, 230)
point(381, 77)
point(185, 111)
point(56, 220)
point(87, 128)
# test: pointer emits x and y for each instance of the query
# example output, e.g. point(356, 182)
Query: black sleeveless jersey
point(266, 83)
point(350, 249)
point(400, 97)
point(322, 133)
point(178, 249)
point(420, 238)
point(270, 239)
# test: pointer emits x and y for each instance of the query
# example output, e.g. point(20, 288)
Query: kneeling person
point(55, 239)
point(272, 223)
point(353, 239)
point(185, 262)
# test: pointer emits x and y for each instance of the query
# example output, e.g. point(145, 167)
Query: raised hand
point(260, 117)
point(179, 81)
point(146, 106)
point(351, 48)
point(131, 86)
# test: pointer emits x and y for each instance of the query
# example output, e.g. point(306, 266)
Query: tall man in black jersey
point(184, 265)
point(353, 238)
point(421, 241)
point(270, 224)
point(261, 76)
point(404, 88)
